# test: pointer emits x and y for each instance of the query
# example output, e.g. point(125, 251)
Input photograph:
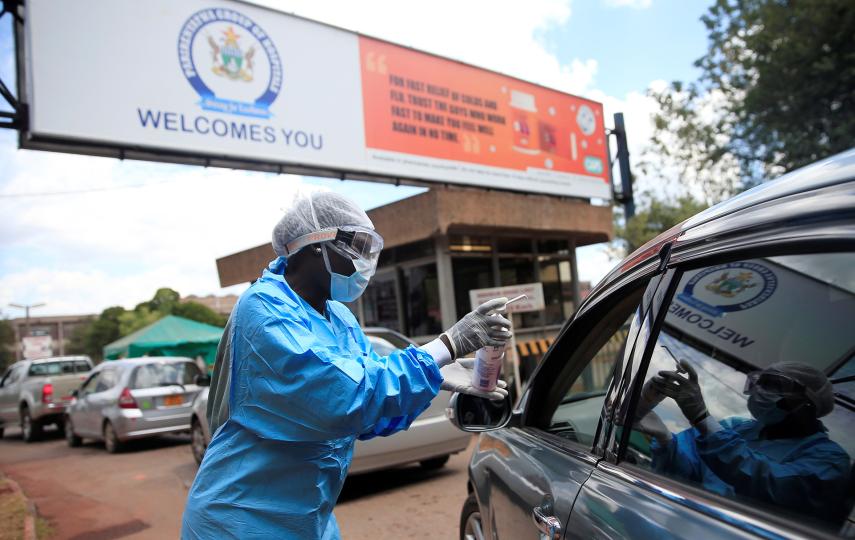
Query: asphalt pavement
point(140, 493)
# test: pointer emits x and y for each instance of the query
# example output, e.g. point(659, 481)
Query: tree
point(101, 331)
point(776, 92)
point(657, 216)
point(199, 312)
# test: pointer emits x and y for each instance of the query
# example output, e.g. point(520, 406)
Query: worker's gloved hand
point(479, 329)
point(685, 391)
point(457, 377)
point(653, 426)
point(649, 399)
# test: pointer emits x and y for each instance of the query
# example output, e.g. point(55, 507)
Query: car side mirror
point(75, 393)
point(476, 414)
point(202, 380)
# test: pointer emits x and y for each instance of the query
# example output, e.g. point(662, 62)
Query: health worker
point(296, 381)
point(782, 456)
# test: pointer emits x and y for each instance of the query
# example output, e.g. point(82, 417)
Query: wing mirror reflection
point(475, 414)
point(202, 380)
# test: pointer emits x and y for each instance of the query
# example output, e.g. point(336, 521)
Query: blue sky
point(147, 225)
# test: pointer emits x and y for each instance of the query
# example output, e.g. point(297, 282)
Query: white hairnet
point(817, 386)
point(331, 210)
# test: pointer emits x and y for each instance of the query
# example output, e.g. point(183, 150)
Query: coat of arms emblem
point(729, 286)
point(228, 58)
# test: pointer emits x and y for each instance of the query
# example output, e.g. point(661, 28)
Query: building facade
point(443, 243)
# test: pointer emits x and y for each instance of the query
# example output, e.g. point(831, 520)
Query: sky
point(82, 233)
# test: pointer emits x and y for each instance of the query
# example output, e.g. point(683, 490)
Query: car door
point(82, 415)
point(729, 315)
point(530, 474)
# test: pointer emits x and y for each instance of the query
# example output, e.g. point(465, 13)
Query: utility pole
point(624, 195)
point(27, 308)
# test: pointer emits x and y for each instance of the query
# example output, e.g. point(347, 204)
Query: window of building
point(421, 300)
point(552, 246)
point(557, 290)
point(380, 302)
point(462, 243)
point(763, 339)
point(515, 271)
point(470, 273)
point(511, 244)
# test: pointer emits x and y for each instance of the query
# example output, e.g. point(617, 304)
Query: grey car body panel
point(27, 390)
point(809, 210)
point(89, 412)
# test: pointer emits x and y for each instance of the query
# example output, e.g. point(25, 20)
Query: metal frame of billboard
point(19, 120)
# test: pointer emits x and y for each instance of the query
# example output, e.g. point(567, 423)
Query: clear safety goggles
point(773, 383)
point(353, 242)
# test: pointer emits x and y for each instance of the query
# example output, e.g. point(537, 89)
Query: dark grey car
point(133, 399)
point(766, 277)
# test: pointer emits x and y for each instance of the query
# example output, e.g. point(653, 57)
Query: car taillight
point(126, 400)
point(47, 393)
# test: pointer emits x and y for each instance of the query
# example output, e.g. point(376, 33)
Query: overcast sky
point(128, 228)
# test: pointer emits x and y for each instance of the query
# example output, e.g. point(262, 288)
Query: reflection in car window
point(106, 381)
point(163, 374)
point(58, 368)
point(746, 394)
point(578, 413)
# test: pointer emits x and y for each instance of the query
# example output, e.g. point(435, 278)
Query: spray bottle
point(489, 360)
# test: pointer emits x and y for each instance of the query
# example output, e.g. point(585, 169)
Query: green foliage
point(7, 344)
point(199, 312)
point(657, 217)
point(777, 92)
point(117, 322)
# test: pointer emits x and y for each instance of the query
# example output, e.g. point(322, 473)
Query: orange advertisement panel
point(422, 105)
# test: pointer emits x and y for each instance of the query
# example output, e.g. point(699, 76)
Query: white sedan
point(430, 440)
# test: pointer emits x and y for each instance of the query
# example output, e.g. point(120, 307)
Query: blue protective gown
point(807, 474)
point(303, 387)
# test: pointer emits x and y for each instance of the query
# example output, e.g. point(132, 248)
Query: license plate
point(170, 401)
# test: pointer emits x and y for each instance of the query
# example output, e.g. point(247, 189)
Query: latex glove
point(654, 427)
point(685, 391)
point(479, 329)
point(457, 377)
point(649, 399)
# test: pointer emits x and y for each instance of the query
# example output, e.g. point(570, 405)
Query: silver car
point(133, 399)
point(430, 440)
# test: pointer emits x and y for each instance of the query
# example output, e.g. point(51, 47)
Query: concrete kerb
point(30, 516)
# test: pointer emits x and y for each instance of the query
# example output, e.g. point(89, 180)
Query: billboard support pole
point(17, 118)
point(625, 195)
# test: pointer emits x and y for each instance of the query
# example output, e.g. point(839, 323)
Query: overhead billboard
point(234, 84)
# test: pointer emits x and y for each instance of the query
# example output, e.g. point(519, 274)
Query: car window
point(578, 413)
point(108, 379)
point(64, 367)
point(15, 375)
point(89, 384)
point(769, 342)
point(163, 374)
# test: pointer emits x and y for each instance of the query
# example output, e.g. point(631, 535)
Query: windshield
point(64, 367)
point(163, 373)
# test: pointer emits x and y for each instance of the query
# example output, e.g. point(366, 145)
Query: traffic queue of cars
point(124, 400)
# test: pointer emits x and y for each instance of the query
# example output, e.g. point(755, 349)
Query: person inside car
point(781, 456)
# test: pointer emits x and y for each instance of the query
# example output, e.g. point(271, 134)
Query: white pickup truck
point(34, 393)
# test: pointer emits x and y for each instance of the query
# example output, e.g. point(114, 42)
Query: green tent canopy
point(170, 336)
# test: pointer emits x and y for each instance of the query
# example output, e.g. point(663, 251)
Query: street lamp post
point(26, 308)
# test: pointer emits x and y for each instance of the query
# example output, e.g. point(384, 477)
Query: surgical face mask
point(764, 407)
point(349, 288)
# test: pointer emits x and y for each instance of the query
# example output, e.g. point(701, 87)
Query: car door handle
point(549, 526)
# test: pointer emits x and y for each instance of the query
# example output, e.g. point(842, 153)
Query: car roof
point(835, 170)
point(143, 360)
point(61, 359)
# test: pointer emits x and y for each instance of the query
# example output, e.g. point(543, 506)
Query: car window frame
point(533, 415)
point(746, 516)
point(92, 376)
